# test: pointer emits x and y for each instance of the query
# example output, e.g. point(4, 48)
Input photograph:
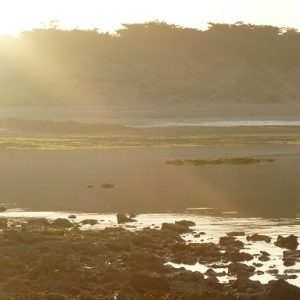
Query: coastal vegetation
point(151, 63)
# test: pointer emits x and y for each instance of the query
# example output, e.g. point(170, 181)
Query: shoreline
point(62, 259)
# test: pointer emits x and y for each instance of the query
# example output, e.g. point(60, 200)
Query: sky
point(108, 15)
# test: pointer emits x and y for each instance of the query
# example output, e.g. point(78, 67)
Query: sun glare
point(108, 15)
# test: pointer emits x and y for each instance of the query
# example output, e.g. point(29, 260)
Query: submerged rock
point(108, 185)
point(122, 218)
point(290, 242)
point(2, 209)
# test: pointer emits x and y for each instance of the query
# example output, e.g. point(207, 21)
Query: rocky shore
point(42, 259)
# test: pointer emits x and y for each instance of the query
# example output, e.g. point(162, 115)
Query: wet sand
point(72, 180)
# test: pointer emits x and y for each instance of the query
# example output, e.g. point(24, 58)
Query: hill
point(153, 63)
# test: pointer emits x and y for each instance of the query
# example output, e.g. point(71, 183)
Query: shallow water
point(213, 226)
point(217, 123)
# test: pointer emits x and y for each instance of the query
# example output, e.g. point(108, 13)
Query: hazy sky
point(107, 15)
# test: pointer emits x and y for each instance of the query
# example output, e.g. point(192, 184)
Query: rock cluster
point(56, 260)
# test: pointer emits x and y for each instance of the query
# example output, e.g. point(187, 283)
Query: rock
point(281, 290)
point(89, 186)
point(175, 227)
point(62, 223)
point(259, 272)
point(129, 293)
point(186, 223)
point(236, 233)
point(292, 271)
point(211, 273)
point(189, 260)
point(2, 209)
point(290, 242)
point(54, 296)
point(258, 237)
point(43, 222)
point(230, 241)
point(206, 251)
point(236, 256)
point(234, 268)
point(264, 258)
point(291, 257)
point(120, 244)
point(144, 261)
point(23, 237)
point(108, 185)
point(72, 217)
point(272, 271)
point(286, 276)
point(258, 265)
point(3, 223)
point(122, 218)
point(148, 281)
point(132, 215)
point(89, 222)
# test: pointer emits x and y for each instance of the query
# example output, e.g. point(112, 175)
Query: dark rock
point(2, 209)
point(175, 227)
point(234, 268)
point(258, 265)
point(121, 219)
point(129, 293)
point(143, 261)
point(211, 273)
point(185, 223)
point(54, 296)
point(230, 241)
point(38, 222)
point(258, 237)
point(264, 258)
point(291, 257)
point(72, 217)
point(62, 223)
point(108, 185)
point(3, 223)
point(236, 256)
point(206, 251)
point(132, 215)
point(147, 281)
point(23, 237)
point(119, 244)
point(236, 233)
point(259, 272)
point(281, 290)
point(290, 242)
point(89, 222)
